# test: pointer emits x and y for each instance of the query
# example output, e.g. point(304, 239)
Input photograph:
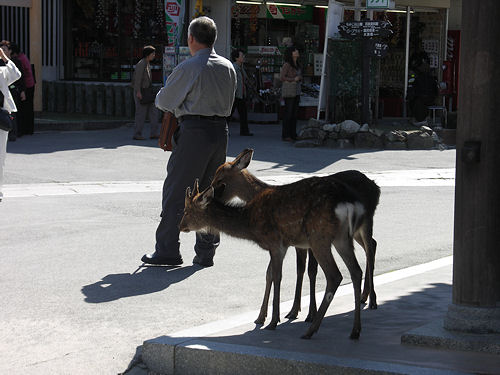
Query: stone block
point(90, 99)
point(60, 97)
point(69, 90)
point(308, 143)
point(100, 95)
point(119, 104)
point(79, 98)
point(109, 101)
point(51, 100)
point(396, 145)
point(419, 141)
point(368, 140)
point(348, 128)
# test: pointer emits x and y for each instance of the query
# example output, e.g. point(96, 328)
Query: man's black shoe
point(203, 262)
point(161, 260)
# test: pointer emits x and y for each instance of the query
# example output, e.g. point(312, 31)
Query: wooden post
point(36, 49)
point(476, 254)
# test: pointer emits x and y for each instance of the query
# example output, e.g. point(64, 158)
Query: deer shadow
point(149, 280)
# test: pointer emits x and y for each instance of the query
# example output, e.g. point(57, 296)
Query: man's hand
point(139, 95)
point(23, 96)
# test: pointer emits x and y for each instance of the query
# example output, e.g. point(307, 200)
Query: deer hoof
point(259, 320)
point(354, 335)
point(292, 314)
point(373, 305)
point(271, 326)
point(306, 337)
point(364, 297)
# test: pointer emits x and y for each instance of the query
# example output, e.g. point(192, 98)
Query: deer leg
point(301, 268)
point(312, 271)
point(373, 296)
point(333, 278)
point(345, 248)
point(365, 239)
point(277, 265)
point(263, 309)
point(366, 285)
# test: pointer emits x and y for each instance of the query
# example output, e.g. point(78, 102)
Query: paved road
point(80, 209)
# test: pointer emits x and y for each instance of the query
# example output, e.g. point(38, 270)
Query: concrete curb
point(167, 355)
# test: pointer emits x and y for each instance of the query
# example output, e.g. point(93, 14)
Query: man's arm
point(173, 94)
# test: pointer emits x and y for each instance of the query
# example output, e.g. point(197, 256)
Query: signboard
point(378, 49)
point(377, 4)
point(174, 14)
point(263, 50)
point(303, 13)
point(365, 29)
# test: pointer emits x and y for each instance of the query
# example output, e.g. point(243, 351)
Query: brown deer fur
point(310, 213)
point(239, 182)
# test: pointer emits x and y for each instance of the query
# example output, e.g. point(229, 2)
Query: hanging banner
point(174, 15)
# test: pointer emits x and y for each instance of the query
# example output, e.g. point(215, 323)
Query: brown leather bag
point(169, 125)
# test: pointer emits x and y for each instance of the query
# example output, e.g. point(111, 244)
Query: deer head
point(195, 205)
point(231, 179)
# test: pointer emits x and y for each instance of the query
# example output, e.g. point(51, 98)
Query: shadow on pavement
point(380, 339)
point(147, 280)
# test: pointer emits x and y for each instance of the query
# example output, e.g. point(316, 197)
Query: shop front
point(264, 30)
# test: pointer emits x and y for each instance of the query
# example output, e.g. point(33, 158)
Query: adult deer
point(239, 182)
point(311, 213)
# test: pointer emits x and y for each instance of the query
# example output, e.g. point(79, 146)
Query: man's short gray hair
point(204, 30)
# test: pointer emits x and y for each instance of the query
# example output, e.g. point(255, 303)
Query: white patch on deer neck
point(348, 213)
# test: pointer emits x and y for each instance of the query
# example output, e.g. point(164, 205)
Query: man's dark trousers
point(200, 146)
point(241, 105)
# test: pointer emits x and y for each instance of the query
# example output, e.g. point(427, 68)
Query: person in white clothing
point(8, 75)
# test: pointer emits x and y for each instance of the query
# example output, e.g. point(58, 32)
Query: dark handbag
point(169, 125)
point(5, 120)
point(148, 95)
point(289, 89)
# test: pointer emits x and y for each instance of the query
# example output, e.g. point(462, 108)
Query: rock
point(419, 141)
point(364, 128)
point(426, 129)
point(348, 128)
point(395, 136)
point(367, 140)
point(330, 128)
point(308, 143)
point(345, 143)
point(331, 143)
point(332, 135)
point(312, 133)
point(313, 123)
point(395, 145)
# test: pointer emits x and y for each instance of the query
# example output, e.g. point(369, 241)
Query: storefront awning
point(16, 3)
point(400, 4)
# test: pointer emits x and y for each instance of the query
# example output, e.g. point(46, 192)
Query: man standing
point(238, 58)
point(200, 93)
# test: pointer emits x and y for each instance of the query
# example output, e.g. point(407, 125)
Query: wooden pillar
point(476, 253)
point(36, 49)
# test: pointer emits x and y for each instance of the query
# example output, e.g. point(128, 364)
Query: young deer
point(239, 182)
point(310, 213)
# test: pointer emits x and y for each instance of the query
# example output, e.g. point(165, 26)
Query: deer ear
point(243, 159)
point(219, 190)
point(206, 197)
point(188, 194)
point(196, 189)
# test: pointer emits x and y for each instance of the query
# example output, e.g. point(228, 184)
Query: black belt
point(200, 117)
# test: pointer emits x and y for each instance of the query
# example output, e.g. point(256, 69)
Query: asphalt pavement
point(81, 207)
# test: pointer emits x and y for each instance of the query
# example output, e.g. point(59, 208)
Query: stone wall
point(99, 98)
point(349, 134)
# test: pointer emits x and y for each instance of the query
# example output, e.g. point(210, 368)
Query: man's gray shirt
point(202, 85)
